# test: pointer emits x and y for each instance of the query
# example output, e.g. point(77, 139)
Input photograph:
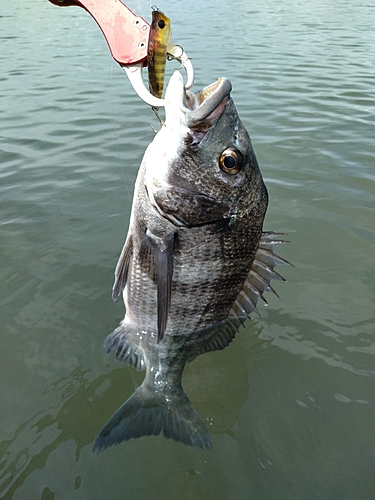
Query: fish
point(160, 34)
point(195, 260)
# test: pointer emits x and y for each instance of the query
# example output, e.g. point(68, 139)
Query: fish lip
point(186, 111)
point(205, 107)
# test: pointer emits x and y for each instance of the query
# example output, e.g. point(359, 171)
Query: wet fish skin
point(193, 236)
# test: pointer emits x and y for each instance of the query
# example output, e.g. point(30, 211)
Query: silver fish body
point(195, 260)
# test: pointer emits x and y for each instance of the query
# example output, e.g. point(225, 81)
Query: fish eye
point(161, 24)
point(230, 161)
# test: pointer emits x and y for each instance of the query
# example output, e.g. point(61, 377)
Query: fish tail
point(148, 413)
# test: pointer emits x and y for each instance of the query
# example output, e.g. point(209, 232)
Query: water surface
point(290, 403)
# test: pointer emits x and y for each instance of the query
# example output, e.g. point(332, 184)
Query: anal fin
point(125, 350)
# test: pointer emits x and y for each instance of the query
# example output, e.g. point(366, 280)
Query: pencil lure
point(160, 34)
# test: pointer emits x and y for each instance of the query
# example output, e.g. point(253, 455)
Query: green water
point(290, 403)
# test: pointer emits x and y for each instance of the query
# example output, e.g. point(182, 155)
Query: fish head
point(201, 168)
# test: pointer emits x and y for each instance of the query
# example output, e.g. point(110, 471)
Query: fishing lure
point(160, 34)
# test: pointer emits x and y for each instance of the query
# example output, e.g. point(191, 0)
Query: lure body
point(160, 34)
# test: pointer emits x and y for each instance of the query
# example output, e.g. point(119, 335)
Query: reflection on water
point(289, 404)
point(36, 438)
point(83, 406)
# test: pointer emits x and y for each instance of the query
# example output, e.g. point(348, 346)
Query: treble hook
point(134, 73)
point(127, 35)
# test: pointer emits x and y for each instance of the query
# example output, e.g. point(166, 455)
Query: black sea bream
point(195, 260)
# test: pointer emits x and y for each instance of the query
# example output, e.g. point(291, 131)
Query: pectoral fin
point(158, 252)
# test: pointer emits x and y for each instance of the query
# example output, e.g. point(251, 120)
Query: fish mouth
point(205, 107)
point(197, 111)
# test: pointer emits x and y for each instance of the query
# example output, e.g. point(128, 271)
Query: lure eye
point(230, 161)
point(161, 24)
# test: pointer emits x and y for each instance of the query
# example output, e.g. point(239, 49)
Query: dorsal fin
point(261, 274)
point(257, 282)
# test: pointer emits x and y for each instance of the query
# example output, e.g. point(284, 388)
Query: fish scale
point(195, 261)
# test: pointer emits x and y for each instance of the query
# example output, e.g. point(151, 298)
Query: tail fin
point(148, 413)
